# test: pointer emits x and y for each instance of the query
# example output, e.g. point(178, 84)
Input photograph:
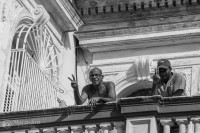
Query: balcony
point(135, 114)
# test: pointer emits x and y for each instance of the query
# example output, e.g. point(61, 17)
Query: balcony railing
point(28, 88)
point(132, 115)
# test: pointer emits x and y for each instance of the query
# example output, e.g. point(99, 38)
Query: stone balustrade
point(137, 114)
point(88, 128)
point(185, 124)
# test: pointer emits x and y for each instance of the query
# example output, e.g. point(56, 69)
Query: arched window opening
point(33, 70)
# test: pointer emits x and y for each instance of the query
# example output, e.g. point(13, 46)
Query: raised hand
point(156, 77)
point(73, 82)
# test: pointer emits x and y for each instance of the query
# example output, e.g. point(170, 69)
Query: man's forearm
point(77, 97)
point(179, 92)
point(153, 91)
point(108, 99)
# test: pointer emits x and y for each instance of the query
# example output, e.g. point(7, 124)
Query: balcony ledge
point(110, 112)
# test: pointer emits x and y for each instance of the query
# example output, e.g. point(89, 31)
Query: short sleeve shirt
point(176, 82)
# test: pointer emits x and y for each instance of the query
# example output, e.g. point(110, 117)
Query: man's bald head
point(96, 69)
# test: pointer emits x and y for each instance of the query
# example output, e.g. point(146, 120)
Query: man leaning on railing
point(96, 92)
point(167, 83)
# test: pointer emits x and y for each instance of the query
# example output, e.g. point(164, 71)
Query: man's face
point(164, 73)
point(96, 77)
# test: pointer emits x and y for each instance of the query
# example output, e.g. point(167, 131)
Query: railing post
point(196, 122)
point(166, 123)
point(120, 126)
point(106, 127)
point(91, 128)
point(77, 129)
point(182, 122)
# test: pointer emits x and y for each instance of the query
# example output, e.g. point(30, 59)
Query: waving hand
point(73, 82)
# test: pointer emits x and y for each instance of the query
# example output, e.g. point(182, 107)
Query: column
point(196, 122)
point(182, 122)
point(91, 128)
point(106, 127)
point(166, 123)
point(120, 126)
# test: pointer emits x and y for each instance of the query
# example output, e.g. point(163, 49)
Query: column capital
point(181, 120)
point(166, 121)
point(106, 126)
point(195, 120)
point(91, 127)
point(77, 128)
point(120, 126)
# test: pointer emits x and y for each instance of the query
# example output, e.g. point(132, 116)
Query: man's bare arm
point(179, 92)
point(79, 99)
point(156, 79)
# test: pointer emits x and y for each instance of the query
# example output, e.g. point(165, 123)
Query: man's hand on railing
point(93, 101)
point(73, 82)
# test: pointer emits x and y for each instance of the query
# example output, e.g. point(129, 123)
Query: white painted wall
point(67, 68)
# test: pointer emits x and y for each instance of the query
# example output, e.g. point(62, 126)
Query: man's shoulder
point(178, 75)
point(108, 83)
point(87, 87)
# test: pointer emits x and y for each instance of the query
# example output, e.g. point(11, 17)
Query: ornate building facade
point(37, 54)
point(42, 42)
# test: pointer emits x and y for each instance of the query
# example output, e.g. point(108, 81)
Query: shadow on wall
point(65, 39)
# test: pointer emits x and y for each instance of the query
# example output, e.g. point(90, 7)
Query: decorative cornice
point(63, 13)
point(73, 16)
point(84, 36)
point(135, 41)
point(145, 36)
point(95, 7)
